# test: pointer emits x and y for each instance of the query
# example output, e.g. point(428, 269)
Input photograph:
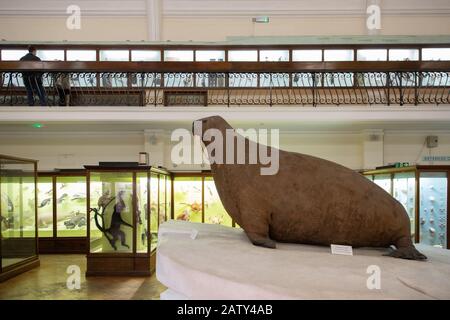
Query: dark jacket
point(30, 57)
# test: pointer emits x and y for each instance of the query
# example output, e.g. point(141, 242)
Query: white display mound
point(201, 261)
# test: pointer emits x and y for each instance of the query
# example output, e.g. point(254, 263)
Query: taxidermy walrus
point(309, 201)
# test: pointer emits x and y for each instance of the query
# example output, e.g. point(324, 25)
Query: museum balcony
point(231, 76)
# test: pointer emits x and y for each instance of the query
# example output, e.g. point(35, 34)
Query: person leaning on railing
point(33, 80)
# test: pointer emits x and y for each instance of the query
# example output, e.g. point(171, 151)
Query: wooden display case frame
point(123, 264)
point(55, 244)
point(32, 261)
point(417, 169)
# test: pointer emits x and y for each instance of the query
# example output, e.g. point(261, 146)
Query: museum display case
point(18, 213)
point(125, 206)
point(195, 199)
point(62, 211)
point(424, 192)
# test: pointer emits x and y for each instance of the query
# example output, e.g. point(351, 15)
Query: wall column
point(154, 19)
point(373, 148)
point(154, 145)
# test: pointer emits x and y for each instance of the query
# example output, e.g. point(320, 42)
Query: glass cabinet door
point(404, 185)
point(45, 207)
point(111, 201)
point(17, 215)
point(433, 208)
point(71, 206)
point(142, 216)
point(215, 213)
point(188, 199)
point(384, 181)
point(154, 207)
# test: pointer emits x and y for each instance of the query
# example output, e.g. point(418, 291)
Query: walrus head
point(214, 122)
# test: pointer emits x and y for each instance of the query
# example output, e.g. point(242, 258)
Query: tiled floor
point(49, 282)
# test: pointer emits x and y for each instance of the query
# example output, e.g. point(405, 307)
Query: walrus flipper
point(261, 241)
point(410, 253)
point(405, 250)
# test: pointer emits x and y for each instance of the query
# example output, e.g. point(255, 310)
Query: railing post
point(227, 83)
point(388, 87)
point(401, 88)
point(314, 88)
point(416, 89)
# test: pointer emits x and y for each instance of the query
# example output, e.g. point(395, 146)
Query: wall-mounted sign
point(436, 158)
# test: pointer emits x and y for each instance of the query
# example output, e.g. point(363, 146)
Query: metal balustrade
point(228, 84)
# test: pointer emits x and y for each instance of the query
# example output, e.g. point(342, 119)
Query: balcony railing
point(227, 83)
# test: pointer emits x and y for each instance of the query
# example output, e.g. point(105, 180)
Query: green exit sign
point(262, 19)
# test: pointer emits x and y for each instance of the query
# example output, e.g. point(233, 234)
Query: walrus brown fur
point(309, 201)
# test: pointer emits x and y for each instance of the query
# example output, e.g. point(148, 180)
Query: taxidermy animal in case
point(113, 233)
point(309, 200)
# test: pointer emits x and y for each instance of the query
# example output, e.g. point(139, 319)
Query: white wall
point(206, 20)
point(68, 150)
point(72, 150)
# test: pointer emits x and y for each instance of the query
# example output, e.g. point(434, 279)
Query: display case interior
point(196, 200)
point(62, 220)
point(18, 237)
point(125, 208)
point(423, 191)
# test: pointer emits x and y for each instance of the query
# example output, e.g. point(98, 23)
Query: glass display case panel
point(81, 55)
point(111, 195)
point(16, 80)
point(215, 213)
point(13, 55)
point(18, 215)
point(372, 55)
point(404, 190)
point(178, 55)
point(338, 79)
point(145, 55)
point(307, 80)
point(154, 207)
point(210, 55)
point(176, 80)
point(142, 217)
point(85, 80)
point(433, 208)
point(274, 80)
point(384, 181)
point(162, 199)
point(306, 55)
point(50, 55)
point(45, 207)
point(211, 80)
point(338, 55)
point(435, 54)
point(239, 80)
point(113, 80)
point(169, 197)
point(369, 176)
point(145, 80)
point(403, 54)
point(243, 55)
point(188, 199)
point(71, 206)
point(273, 55)
point(114, 55)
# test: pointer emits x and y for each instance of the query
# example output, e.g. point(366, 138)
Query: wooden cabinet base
point(19, 268)
point(120, 265)
point(62, 245)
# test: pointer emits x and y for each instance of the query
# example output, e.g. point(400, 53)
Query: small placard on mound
point(339, 249)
